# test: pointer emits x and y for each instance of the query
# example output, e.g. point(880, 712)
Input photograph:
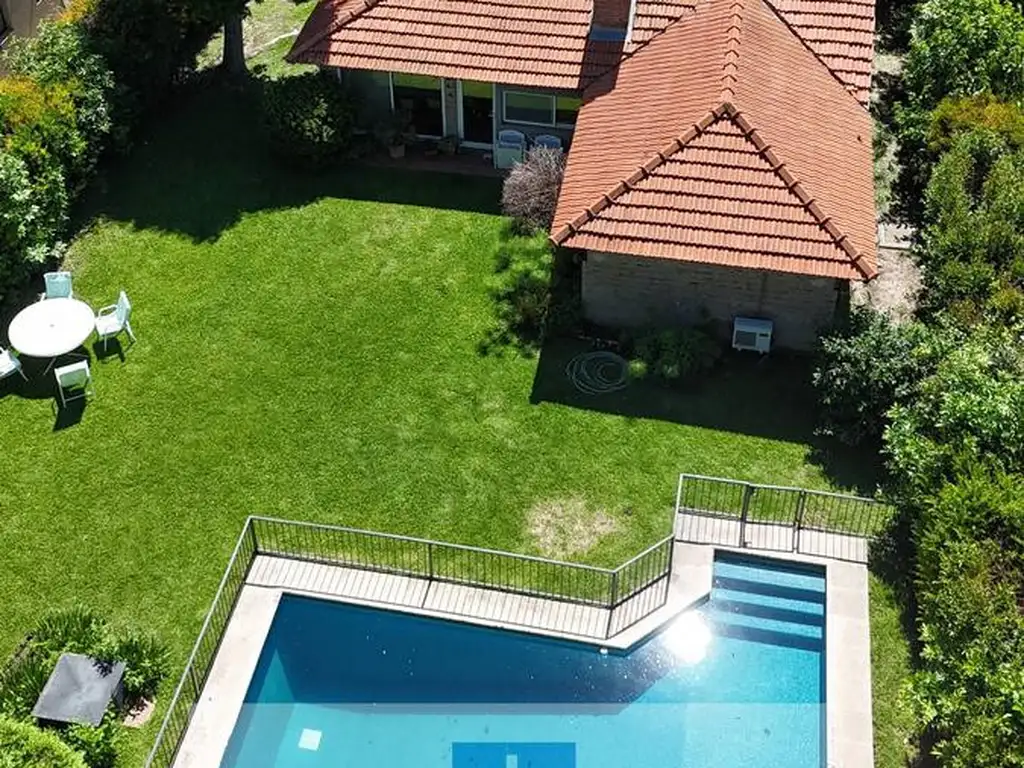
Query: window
point(540, 108)
point(566, 109)
point(418, 98)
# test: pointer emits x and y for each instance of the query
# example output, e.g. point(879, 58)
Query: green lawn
point(308, 348)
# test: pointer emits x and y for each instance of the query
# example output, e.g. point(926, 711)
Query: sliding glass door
point(420, 99)
point(476, 113)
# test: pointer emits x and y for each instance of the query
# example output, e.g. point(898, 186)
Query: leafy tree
point(958, 48)
point(972, 248)
point(23, 745)
point(866, 368)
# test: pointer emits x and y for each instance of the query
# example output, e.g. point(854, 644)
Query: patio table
point(51, 328)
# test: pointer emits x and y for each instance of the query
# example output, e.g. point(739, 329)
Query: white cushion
point(108, 325)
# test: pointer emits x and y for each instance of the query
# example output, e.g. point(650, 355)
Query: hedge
point(23, 745)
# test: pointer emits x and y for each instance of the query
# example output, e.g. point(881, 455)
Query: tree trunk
point(234, 48)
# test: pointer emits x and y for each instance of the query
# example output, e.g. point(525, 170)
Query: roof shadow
point(208, 162)
point(769, 397)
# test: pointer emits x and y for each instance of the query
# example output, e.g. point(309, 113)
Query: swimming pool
point(739, 682)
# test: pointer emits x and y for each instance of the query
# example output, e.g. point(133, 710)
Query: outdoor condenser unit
point(752, 333)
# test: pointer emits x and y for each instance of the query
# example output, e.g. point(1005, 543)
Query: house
point(719, 151)
point(20, 17)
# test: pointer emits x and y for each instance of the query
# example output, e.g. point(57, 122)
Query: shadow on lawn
point(768, 397)
point(207, 163)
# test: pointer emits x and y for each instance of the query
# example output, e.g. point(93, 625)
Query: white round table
point(51, 328)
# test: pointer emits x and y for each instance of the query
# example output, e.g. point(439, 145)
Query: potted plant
point(449, 145)
point(395, 134)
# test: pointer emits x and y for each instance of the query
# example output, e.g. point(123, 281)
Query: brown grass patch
point(562, 528)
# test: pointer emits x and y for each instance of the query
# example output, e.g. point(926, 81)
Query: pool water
point(738, 682)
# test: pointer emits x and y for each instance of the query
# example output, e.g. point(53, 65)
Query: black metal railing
point(735, 513)
point(628, 593)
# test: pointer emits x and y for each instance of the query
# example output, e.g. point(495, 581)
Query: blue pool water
point(738, 683)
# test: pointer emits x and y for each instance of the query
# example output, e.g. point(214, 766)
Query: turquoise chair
point(10, 364)
point(58, 285)
point(114, 319)
point(74, 378)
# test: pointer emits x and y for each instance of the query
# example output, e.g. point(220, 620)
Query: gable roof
point(708, 147)
point(537, 43)
point(544, 43)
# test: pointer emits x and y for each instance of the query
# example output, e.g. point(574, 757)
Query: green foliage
point(310, 118)
point(674, 355)
point(958, 48)
point(970, 545)
point(864, 370)
point(23, 745)
point(957, 115)
point(82, 630)
point(98, 745)
point(59, 56)
point(973, 246)
point(971, 408)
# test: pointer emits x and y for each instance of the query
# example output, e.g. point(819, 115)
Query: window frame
point(551, 97)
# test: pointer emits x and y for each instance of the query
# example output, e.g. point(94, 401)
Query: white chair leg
point(22, 374)
point(128, 329)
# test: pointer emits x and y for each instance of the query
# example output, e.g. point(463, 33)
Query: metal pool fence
point(715, 510)
point(628, 593)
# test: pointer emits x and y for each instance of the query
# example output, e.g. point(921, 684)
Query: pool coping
point(849, 734)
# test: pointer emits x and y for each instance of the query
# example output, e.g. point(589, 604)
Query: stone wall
point(630, 291)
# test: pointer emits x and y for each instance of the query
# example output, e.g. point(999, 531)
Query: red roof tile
point(707, 148)
point(539, 43)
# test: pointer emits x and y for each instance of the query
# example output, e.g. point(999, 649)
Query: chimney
point(611, 14)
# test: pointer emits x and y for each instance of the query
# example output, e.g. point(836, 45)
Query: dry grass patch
point(562, 528)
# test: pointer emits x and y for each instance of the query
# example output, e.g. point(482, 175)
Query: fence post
point(614, 596)
point(195, 682)
point(430, 561)
point(798, 521)
point(251, 525)
point(748, 492)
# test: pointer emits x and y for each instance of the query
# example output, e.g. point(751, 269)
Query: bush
point(99, 745)
point(864, 370)
point(674, 355)
point(59, 57)
point(310, 118)
point(521, 291)
point(970, 409)
point(23, 745)
point(531, 190)
point(958, 48)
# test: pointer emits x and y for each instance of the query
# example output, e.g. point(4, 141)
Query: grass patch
point(565, 528)
point(267, 21)
point(308, 349)
point(890, 669)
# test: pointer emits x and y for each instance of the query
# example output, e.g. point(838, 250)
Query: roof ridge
point(730, 67)
point(331, 28)
point(778, 14)
point(764, 149)
point(642, 172)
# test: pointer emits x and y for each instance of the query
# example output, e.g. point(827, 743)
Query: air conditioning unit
point(752, 333)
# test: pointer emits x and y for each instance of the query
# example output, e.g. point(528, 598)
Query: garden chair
point(74, 377)
point(57, 285)
point(10, 364)
point(111, 320)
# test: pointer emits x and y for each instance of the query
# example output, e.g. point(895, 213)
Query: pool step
point(768, 602)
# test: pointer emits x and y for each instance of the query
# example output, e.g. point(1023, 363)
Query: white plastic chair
point(74, 377)
point(111, 320)
point(57, 286)
point(10, 364)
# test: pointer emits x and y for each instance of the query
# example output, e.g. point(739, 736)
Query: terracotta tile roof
point(708, 149)
point(540, 43)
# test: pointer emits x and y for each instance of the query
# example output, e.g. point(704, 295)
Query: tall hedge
point(23, 745)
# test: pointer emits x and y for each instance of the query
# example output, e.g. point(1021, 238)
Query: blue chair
point(547, 141)
point(510, 149)
point(57, 284)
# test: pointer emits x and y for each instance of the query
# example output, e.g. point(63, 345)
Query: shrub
point(531, 189)
point(146, 658)
point(970, 409)
point(958, 48)
point(674, 355)
point(521, 291)
point(98, 745)
point(865, 369)
point(310, 118)
point(957, 115)
point(58, 56)
point(23, 745)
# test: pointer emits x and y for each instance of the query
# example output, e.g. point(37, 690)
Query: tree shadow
point(208, 163)
point(768, 397)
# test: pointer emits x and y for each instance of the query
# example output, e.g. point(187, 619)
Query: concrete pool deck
point(847, 633)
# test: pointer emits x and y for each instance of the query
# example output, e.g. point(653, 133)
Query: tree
point(234, 45)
